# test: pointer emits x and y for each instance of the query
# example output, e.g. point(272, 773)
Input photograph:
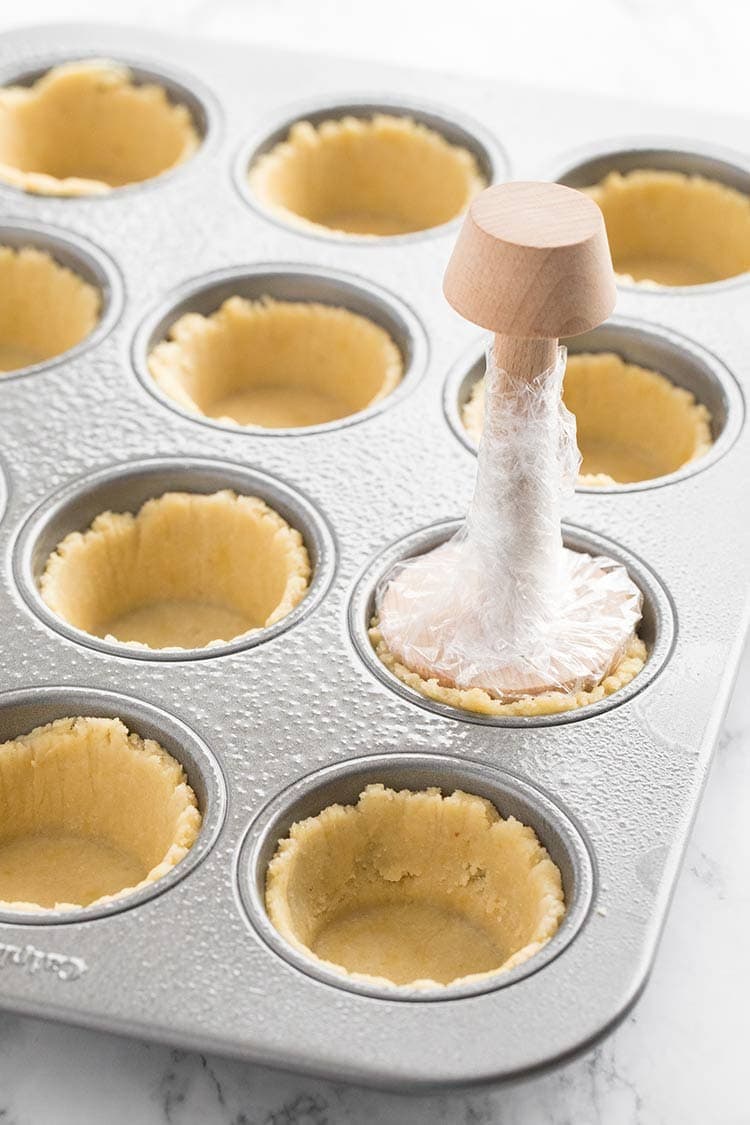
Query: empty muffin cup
point(633, 424)
point(88, 811)
point(384, 174)
point(46, 308)
point(278, 364)
point(186, 571)
point(414, 888)
point(667, 228)
point(86, 127)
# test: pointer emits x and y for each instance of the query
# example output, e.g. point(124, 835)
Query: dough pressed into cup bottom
point(186, 571)
point(476, 699)
point(89, 812)
point(376, 176)
point(276, 363)
point(632, 423)
point(86, 127)
point(667, 228)
point(414, 888)
point(45, 308)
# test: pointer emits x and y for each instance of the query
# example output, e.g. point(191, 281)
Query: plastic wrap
point(504, 606)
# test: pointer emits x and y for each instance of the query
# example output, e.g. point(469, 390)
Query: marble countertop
point(679, 1057)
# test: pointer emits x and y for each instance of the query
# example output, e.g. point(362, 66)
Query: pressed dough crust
point(188, 570)
point(376, 176)
point(276, 363)
point(666, 228)
point(45, 308)
point(85, 127)
point(545, 703)
point(633, 424)
point(88, 812)
point(413, 888)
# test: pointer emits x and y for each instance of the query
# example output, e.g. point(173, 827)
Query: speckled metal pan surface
point(276, 729)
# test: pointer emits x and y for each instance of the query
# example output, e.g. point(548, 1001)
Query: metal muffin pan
point(302, 718)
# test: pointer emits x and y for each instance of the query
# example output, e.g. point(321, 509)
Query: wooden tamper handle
point(531, 264)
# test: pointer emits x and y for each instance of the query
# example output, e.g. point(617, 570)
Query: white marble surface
point(679, 1059)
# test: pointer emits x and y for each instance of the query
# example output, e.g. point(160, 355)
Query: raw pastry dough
point(413, 888)
point(671, 229)
point(45, 308)
point(545, 703)
point(276, 363)
point(187, 571)
point(86, 127)
point(375, 176)
point(633, 424)
point(445, 634)
point(88, 812)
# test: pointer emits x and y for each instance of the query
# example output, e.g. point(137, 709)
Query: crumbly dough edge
point(280, 869)
point(42, 183)
point(188, 824)
point(304, 132)
point(164, 358)
point(482, 703)
point(12, 256)
point(619, 183)
point(297, 585)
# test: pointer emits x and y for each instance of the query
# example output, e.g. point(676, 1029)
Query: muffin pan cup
point(85, 260)
point(301, 717)
point(342, 783)
point(680, 359)
point(590, 164)
point(23, 711)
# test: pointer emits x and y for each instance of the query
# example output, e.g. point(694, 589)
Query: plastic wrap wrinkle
point(504, 606)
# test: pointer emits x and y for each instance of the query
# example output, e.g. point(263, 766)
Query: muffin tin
point(276, 726)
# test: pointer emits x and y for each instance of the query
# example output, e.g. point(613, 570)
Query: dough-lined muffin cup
point(45, 310)
point(89, 812)
point(667, 228)
point(278, 364)
point(188, 570)
point(481, 702)
point(375, 176)
point(633, 424)
point(414, 888)
point(86, 127)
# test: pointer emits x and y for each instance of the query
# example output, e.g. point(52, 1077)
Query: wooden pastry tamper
point(531, 264)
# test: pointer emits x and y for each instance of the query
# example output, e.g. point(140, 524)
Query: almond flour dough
point(45, 308)
point(187, 571)
point(88, 812)
point(629, 664)
point(666, 228)
point(413, 888)
point(375, 176)
point(85, 127)
point(632, 423)
point(276, 363)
